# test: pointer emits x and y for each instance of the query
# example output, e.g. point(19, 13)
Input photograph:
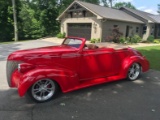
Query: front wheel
point(134, 71)
point(43, 90)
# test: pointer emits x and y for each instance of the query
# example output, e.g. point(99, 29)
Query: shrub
point(150, 38)
point(135, 39)
point(116, 34)
point(122, 40)
point(93, 40)
point(157, 41)
point(61, 35)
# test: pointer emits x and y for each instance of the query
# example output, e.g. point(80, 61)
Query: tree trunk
point(111, 3)
point(15, 21)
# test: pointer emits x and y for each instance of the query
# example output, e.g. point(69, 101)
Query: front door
point(96, 63)
point(127, 31)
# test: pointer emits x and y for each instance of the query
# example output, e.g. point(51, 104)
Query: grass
point(152, 53)
point(6, 42)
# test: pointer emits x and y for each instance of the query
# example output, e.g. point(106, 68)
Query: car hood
point(59, 48)
point(40, 51)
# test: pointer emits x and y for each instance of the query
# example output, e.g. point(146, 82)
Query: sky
point(144, 5)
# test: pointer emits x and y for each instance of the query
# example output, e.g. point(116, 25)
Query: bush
point(95, 40)
point(135, 39)
point(116, 34)
point(150, 38)
point(157, 41)
point(122, 40)
point(61, 35)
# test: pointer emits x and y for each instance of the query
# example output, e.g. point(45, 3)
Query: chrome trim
point(11, 66)
point(19, 67)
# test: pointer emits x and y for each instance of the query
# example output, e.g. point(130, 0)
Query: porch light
point(95, 27)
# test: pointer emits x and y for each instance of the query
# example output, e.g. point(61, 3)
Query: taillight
point(24, 67)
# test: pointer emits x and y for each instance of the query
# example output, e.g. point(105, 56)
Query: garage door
point(80, 30)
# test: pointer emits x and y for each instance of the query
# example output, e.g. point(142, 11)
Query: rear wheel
point(43, 90)
point(134, 71)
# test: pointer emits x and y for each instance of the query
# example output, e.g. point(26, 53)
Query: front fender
point(66, 79)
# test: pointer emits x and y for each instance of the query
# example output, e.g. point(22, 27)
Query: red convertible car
point(70, 66)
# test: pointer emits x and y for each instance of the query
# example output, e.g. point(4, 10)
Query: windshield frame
point(76, 38)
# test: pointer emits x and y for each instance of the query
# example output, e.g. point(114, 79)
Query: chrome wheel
point(134, 71)
point(43, 90)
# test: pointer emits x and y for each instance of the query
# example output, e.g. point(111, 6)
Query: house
point(151, 24)
point(88, 20)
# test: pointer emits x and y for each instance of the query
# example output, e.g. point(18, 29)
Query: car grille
point(10, 68)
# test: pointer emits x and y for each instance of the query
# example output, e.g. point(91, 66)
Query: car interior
point(90, 46)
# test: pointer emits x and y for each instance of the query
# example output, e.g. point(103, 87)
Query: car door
point(96, 63)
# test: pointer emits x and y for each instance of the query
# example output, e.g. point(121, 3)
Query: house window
point(144, 29)
point(71, 14)
point(158, 30)
point(137, 29)
point(84, 13)
point(152, 30)
point(115, 26)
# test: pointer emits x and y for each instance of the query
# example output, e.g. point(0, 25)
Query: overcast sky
point(144, 5)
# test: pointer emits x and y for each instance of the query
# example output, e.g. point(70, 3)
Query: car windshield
point(73, 42)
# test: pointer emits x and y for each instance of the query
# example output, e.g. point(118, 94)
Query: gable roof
point(110, 13)
point(105, 12)
point(147, 16)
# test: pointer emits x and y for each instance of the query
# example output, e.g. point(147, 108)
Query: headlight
point(24, 67)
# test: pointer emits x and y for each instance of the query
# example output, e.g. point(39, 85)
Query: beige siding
point(109, 25)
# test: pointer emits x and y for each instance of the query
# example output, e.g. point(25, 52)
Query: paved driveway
point(122, 100)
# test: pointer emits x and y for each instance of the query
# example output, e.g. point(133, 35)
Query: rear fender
point(128, 62)
point(64, 78)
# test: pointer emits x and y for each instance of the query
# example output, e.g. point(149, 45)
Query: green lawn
point(152, 53)
point(6, 42)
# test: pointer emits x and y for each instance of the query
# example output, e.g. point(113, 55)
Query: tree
point(111, 2)
point(15, 20)
point(158, 8)
point(92, 1)
point(124, 4)
point(39, 18)
point(6, 20)
point(107, 3)
point(31, 28)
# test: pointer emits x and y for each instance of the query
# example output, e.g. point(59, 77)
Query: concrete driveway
point(121, 100)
